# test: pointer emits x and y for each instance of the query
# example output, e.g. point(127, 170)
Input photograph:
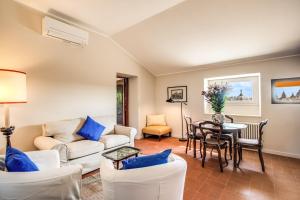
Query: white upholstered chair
point(51, 182)
point(164, 182)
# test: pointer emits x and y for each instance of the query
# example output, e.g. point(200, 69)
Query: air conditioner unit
point(60, 30)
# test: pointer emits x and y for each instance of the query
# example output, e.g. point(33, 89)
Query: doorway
point(122, 100)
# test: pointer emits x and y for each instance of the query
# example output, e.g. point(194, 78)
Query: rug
point(92, 188)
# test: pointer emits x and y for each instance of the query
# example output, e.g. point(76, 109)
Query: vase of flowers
point(215, 96)
point(218, 118)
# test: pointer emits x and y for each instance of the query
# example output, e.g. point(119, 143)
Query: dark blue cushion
point(17, 161)
point(91, 129)
point(146, 161)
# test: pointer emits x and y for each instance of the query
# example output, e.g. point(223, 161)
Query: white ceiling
point(106, 16)
point(200, 32)
point(170, 36)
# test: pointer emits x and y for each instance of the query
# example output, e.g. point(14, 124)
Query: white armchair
point(164, 182)
point(50, 182)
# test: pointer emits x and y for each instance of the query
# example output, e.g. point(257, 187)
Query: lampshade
point(12, 86)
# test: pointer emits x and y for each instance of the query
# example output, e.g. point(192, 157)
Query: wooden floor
point(281, 181)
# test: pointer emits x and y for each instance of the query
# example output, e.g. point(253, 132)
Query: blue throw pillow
point(146, 161)
point(91, 129)
point(17, 161)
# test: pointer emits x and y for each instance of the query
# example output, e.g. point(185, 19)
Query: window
point(243, 96)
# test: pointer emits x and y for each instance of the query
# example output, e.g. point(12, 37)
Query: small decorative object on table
point(218, 118)
point(215, 96)
point(121, 153)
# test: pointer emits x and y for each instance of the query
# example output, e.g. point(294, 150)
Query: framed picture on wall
point(286, 91)
point(243, 96)
point(177, 93)
point(242, 89)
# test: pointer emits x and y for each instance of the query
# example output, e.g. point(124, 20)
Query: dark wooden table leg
point(117, 164)
point(194, 144)
point(194, 141)
point(235, 133)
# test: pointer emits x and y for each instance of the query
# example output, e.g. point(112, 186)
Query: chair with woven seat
point(253, 144)
point(190, 136)
point(227, 137)
point(208, 128)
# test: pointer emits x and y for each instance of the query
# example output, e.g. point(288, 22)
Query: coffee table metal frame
point(117, 161)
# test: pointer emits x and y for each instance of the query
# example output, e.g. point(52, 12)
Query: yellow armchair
point(156, 125)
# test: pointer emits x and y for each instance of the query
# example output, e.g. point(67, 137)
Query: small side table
point(121, 153)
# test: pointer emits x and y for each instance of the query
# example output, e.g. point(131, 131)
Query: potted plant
point(215, 96)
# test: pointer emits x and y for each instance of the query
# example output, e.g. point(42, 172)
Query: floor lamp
point(170, 100)
point(12, 90)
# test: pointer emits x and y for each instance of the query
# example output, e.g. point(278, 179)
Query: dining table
point(228, 128)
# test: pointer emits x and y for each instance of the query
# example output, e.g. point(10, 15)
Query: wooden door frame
point(125, 100)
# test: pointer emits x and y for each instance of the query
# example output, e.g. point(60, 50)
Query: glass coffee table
point(121, 153)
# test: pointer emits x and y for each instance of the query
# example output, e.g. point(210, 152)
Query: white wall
point(65, 81)
point(282, 135)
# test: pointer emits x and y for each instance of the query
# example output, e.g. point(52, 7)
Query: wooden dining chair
point(229, 118)
point(210, 128)
point(190, 136)
point(227, 137)
point(253, 144)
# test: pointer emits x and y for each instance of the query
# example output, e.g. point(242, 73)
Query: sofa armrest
point(48, 143)
point(45, 159)
point(60, 183)
point(128, 131)
point(45, 143)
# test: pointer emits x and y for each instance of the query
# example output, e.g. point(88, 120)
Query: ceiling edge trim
point(205, 67)
point(130, 55)
point(102, 34)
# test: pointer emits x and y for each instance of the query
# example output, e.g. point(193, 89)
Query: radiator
point(252, 130)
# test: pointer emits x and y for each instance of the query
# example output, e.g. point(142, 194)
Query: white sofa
point(163, 182)
point(51, 182)
point(73, 149)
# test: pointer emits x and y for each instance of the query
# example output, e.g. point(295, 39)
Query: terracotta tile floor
point(281, 181)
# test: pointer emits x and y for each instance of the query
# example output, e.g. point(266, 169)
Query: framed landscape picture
point(286, 91)
point(177, 93)
point(240, 91)
point(243, 94)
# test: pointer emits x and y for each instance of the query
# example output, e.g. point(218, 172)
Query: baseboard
point(139, 136)
point(269, 151)
point(280, 153)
